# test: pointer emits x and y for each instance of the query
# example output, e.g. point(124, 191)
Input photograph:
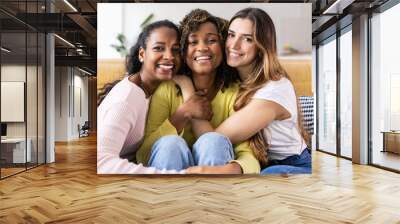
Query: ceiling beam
point(337, 7)
point(82, 61)
point(84, 24)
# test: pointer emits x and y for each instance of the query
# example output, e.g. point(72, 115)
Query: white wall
point(70, 83)
point(12, 101)
point(33, 126)
point(12, 73)
point(292, 21)
point(110, 18)
point(80, 94)
point(62, 81)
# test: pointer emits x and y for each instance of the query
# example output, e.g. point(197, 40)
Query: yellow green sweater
point(165, 101)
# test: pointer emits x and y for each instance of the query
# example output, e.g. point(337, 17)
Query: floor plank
point(69, 191)
point(386, 159)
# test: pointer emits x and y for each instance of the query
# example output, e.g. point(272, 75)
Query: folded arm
point(162, 120)
point(246, 122)
point(239, 127)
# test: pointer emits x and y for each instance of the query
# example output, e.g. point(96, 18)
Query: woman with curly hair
point(169, 140)
point(267, 111)
point(122, 113)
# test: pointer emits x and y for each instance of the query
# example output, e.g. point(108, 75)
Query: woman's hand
point(186, 85)
point(231, 168)
point(196, 170)
point(197, 107)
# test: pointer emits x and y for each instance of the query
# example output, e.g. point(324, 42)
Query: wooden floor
point(10, 171)
point(69, 191)
point(387, 159)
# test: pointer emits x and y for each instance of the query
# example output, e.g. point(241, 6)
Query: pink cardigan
point(121, 120)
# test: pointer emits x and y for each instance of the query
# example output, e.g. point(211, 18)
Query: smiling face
point(204, 51)
point(241, 49)
point(161, 58)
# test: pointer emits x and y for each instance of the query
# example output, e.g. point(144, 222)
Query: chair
point(307, 109)
point(84, 130)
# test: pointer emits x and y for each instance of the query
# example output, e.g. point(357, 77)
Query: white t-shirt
point(121, 119)
point(283, 136)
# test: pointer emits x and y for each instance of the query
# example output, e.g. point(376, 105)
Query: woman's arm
point(160, 123)
point(188, 91)
point(186, 85)
point(242, 124)
point(246, 122)
point(196, 107)
point(114, 127)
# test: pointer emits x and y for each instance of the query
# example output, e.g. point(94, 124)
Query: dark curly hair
point(191, 23)
point(133, 65)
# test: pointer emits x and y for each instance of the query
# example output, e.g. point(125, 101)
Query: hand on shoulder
point(186, 85)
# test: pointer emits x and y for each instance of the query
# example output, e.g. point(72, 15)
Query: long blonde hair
point(266, 68)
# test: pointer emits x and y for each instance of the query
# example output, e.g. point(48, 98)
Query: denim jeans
point(297, 164)
point(172, 152)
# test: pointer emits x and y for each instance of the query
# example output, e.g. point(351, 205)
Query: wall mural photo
point(204, 89)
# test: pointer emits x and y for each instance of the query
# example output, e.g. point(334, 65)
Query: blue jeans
point(171, 152)
point(297, 164)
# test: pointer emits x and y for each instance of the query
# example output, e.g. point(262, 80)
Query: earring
point(141, 60)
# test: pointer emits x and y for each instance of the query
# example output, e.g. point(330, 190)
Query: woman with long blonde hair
point(267, 110)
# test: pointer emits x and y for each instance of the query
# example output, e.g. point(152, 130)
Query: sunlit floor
point(70, 191)
point(9, 171)
point(13, 169)
point(386, 159)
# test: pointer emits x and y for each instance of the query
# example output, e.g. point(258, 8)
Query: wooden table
point(391, 141)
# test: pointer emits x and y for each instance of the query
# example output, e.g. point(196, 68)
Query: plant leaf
point(147, 20)
point(121, 38)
